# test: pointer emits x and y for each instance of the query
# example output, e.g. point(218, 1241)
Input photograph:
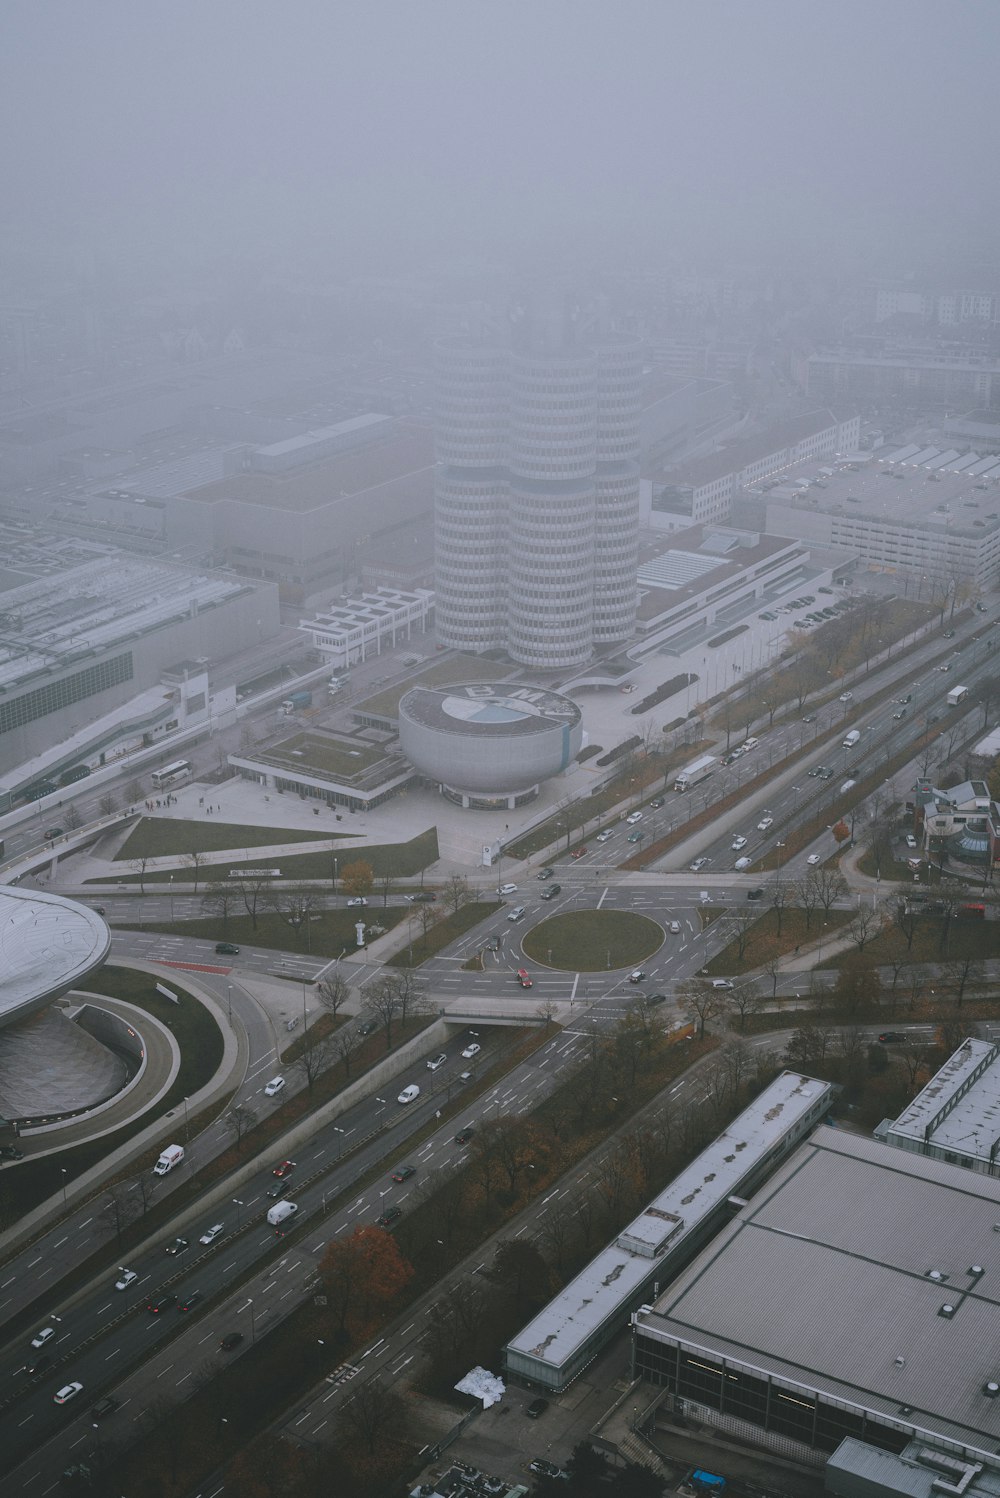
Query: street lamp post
point(340, 1142)
point(229, 1000)
point(253, 1323)
point(63, 1172)
point(237, 1203)
point(187, 1132)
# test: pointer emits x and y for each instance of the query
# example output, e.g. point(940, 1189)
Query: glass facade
point(40, 701)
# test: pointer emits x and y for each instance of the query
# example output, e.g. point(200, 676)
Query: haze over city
point(499, 749)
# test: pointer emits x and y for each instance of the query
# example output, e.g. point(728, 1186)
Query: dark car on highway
point(403, 1173)
point(230, 1340)
point(389, 1216)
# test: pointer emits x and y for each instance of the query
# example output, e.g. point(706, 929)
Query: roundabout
point(588, 941)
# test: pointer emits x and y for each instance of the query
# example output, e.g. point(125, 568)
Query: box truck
point(172, 1155)
point(956, 695)
point(698, 770)
point(295, 701)
point(852, 738)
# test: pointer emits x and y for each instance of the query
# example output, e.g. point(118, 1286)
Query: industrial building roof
point(959, 1109)
point(611, 1280)
point(406, 457)
point(62, 620)
point(836, 1279)
point(733, 457)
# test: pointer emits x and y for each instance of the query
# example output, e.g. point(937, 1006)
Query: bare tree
point(701, 1000)
point(373, 1409)
point(108, 804)
point(808, 898)
point(829, 886)
point(745, 1000)
point(72, 817)
point(456, 892)
point(195, 858)
point(956, 971)
point(254, 888)
point(382, 1001)
point(134, 793)
point(772, 968)
point(220, 902)
point(140, 865)
point(345, 1043)
point(240, 1119)
point(865, 927)
point(314, 1055)
point(333, 991)
point(120, 1208)
point(742, 921)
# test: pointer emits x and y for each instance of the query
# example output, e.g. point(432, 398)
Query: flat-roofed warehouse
point(856, 1294)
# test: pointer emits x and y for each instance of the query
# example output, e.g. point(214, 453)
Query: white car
point(67, 1392)
point(508, 889)
point(675, 927)
point(635, 816)
point(911, 841)
point(126, 1278)
point(721, 983)
point(602, 837)
point(738, 843)
point(846, 697)
point(274, 1086)
point(471, 1050)
point(765, 823)
point(813, 859)
point(409, 1094)
point(437, 1061)
point(210, 1234)
point(357, 900)
point(638, 976)
point(45, 1335)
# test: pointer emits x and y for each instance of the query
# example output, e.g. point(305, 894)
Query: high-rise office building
point(537, 494)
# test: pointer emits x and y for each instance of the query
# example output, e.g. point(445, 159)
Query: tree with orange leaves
point(361, 1272)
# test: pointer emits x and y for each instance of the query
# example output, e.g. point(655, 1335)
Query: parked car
point(546, 1469)
point(436, 1061)
point(274, 1086)
point(911, 841)
point(536, 1407)
point(403, 1173)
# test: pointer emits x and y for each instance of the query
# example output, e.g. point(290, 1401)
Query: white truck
point(172, 1155)
point(697, 770)
point(956, 695)
point(853, 738)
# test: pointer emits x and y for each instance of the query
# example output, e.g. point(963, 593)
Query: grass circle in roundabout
point(587, 941)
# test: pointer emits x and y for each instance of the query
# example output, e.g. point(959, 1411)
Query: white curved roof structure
point(47, 945)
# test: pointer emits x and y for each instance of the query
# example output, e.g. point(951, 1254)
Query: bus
point(173, 774)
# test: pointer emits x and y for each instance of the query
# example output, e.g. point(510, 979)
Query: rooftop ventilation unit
point(947, 1311)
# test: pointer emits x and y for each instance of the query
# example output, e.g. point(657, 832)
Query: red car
point(284, 1169)
point(578, 852)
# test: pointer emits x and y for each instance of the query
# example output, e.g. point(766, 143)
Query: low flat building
point(854, 1295)
point(954, 1118)
point(354, 629)
point(558, 1343)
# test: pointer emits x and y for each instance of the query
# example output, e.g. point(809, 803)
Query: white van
point(172, 1155)
point(741, 864)
point(281, 1212)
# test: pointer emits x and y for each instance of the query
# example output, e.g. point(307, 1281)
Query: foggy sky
point(380, 131)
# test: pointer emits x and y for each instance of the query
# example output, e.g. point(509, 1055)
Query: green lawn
point(763, 942)
point(588, 941)
point(398, 860)
point(326, 935)
point(166, 837)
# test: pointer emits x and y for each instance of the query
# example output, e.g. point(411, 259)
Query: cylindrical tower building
point(470, 495)
point(616, 520)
